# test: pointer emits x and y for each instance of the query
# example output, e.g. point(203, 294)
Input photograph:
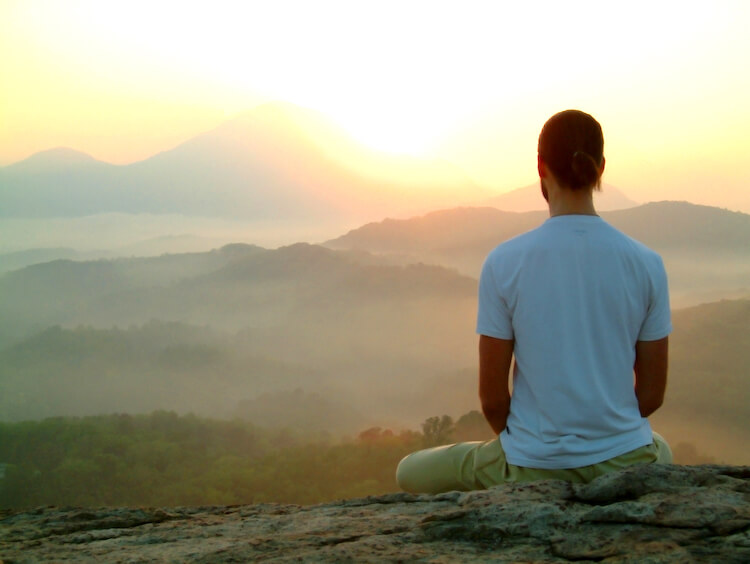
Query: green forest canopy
point(164, 459)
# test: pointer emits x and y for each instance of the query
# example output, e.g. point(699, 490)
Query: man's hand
point(651, 359)
point(494, 365)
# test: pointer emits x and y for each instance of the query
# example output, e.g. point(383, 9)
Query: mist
point(300, 336)
point(118, 234)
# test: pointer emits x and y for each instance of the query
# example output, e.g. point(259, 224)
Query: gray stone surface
point(641, 514)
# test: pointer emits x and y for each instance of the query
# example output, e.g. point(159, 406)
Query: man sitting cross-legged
point(584, 310)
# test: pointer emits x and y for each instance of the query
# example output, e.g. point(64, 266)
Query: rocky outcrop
point(641, 514)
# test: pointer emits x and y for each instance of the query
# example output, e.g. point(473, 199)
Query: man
point(584, 310)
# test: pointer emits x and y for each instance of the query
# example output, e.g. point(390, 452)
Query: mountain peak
point(53, 159)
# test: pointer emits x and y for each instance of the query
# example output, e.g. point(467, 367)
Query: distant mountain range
point(278, 161)
point(705, 249)
point(661, 225)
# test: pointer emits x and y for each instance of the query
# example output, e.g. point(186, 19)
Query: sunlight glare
point(467, 82)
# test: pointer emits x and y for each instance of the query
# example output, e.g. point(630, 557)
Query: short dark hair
point(571, 145)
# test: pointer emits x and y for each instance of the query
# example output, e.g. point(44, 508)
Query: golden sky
point(470, 82)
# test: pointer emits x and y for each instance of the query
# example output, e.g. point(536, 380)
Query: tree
point(437, 430)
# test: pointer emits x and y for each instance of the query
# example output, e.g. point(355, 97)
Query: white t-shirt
point(575, 294)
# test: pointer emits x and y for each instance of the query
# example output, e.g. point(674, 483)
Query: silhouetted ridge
point(655, 224)
point(438, 229)
point(295, 261)
point(682, 225)
point(240, 249)
point(57, 159)
point(314, 270)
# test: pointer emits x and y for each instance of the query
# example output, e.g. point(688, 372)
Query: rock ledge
point(640, 514)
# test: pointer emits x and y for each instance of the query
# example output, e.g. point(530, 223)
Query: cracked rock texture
point(640, 514)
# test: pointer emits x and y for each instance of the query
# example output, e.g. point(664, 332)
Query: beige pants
point(479, 465)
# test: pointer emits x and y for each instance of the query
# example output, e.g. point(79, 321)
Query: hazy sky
point(471, 82)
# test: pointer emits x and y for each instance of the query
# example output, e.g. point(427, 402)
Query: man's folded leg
point(479, 465)
point(440, 469)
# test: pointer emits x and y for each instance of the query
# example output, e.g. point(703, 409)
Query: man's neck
point(562, 201)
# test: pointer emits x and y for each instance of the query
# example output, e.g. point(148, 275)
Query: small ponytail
point(585, 170)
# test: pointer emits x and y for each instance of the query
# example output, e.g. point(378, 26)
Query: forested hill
point(235, 287)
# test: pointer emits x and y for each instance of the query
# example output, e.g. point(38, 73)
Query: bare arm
point(651, 359)
point(494, 364)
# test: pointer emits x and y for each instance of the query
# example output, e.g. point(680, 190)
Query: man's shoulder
point(636, 246)
point(519, 242)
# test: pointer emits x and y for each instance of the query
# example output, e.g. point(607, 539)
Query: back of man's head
point(571, 145)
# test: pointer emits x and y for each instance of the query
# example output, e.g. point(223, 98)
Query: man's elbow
point(496, 414)
point(647, 405)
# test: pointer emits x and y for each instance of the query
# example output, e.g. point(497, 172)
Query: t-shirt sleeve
point(493, 316)
point(658, 321)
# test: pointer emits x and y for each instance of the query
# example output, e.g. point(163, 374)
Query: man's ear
point(601, 167)
point(542, 168)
